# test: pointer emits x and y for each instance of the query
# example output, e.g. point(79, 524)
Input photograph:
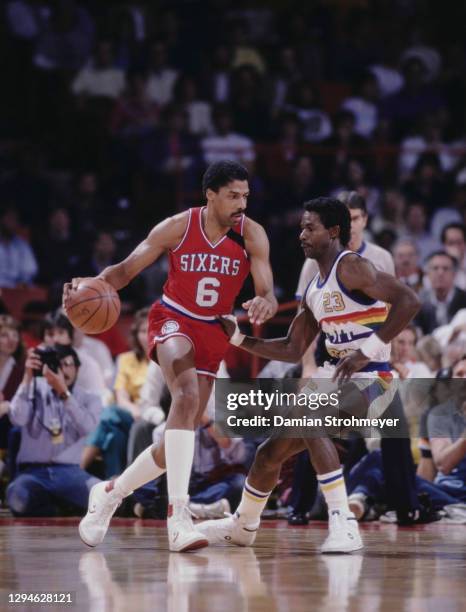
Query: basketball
point(94, 306)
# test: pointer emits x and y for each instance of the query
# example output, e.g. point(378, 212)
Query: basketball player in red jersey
point(211, 251)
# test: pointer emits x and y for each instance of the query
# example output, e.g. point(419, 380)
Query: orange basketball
point(94, 306)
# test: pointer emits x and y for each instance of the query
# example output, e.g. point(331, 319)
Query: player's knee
point(267, 459)
point(186, 399)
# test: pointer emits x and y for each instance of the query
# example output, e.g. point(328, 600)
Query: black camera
point(49, 357)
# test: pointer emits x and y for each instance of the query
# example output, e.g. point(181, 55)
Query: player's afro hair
point(221, 173)
point(332, 212)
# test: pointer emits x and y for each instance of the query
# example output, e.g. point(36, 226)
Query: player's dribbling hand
point(259, 310)
point(68, 288)
point(349, 365)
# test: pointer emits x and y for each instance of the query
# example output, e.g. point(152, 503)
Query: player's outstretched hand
point(229, 324)
point(259, 310)
point(347, 366)
point(231, 328)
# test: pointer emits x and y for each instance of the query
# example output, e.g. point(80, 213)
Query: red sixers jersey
point(204, 278)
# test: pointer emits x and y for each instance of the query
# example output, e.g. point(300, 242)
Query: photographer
point(55, 416)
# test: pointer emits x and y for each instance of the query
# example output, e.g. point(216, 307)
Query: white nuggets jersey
point(381, 259)
point(347, 318)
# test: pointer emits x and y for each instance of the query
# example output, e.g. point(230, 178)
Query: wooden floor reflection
point(405, 570)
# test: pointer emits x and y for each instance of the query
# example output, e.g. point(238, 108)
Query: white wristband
point(237, 337)
point(373, 346)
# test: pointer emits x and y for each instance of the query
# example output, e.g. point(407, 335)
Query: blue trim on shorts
point(186, 315)
point(372, 366)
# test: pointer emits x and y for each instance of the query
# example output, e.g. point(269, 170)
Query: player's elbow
point(412, 302)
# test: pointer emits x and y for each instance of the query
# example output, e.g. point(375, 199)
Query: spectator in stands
point(218, 75)
point(225, 143)
point(364, 104)
point(403, 357)
point(406, 259)
point(171, 156)
point(124, 36)
point(414, 99)
point(97, 350)
point(286, 73)
point(56, 250)
point(386, 69)
point(101, 78)
point(417, 229)
point(442, 300)
point(428, 183)
point(250, 113)
point(55, 415)
point(109, 440)
point(66, 41)
point(430, 137)
point(18, 265)
point(244, 54)
point(391, 213)
point(446, 426)
point(162, 77)
point(429, 352)
point(343, 145)
point(354, 177)
point(87, 208)
point(278, 157)
point(303, 101)
point(454, 212)
point(304, 183)
point(102, 255)
point(186, 94)
point(454, 242)
point(11, 373)
point(134, 113)
point(58, 330)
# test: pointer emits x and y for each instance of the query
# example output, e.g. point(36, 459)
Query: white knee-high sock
point(252, 504)
point(142, 470)
point(179, 454)
point(333, 487)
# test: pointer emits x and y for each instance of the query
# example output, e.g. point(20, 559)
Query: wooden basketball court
point(416, 569)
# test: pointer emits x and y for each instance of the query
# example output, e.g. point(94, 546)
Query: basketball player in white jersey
point(347, 300)
point(381, 258)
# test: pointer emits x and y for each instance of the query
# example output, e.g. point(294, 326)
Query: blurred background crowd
point(109, 114)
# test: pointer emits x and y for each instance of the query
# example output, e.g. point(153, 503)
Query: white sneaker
point(357, 503)
point(231, 530)
point(343, 534)
point(215, 510)
point(103, 501)
point(182, 536)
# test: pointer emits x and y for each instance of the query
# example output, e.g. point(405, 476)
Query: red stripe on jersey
point(205, 278)
point(370, 312)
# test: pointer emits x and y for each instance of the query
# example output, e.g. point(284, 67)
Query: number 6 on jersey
point(205, 296)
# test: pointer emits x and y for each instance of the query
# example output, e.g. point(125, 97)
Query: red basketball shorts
point(210, 342)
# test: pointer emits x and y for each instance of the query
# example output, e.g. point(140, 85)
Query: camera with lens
point(49, 357)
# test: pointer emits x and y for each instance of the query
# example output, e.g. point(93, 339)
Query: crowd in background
point(109, 115)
